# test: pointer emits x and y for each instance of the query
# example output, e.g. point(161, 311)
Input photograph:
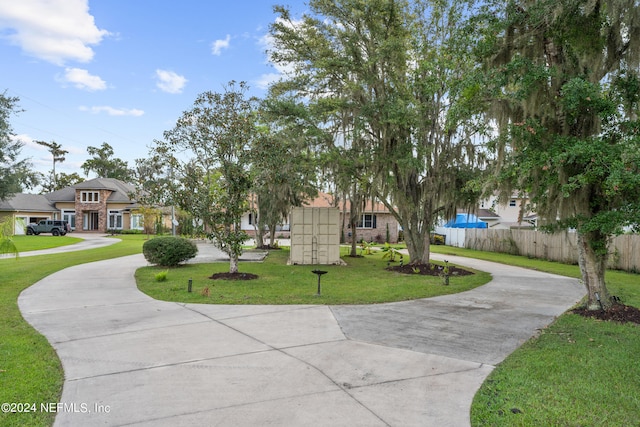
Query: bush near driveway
point(169, 251)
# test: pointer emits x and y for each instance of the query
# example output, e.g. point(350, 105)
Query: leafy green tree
point(57, 154)
point(213, 184)
point(7, 245)
point(150, 218)
point(104, 165)
point(154, 187)
point(152, 177)
point(15, 175)
point(393, 69)
point(62, 180)
point(562, 80)
point(282, 167)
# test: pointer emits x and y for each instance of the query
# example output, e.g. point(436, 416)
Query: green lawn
point(29, 368)
point(362, 281)
point(43, 241)
point(578, 372)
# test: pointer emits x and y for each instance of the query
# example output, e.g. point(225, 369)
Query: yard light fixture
point(319, 273)
point(599, 302)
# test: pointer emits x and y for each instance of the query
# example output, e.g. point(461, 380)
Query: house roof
point(326, 200)
point(121, 190)
point(486, 213)
point(27, 203)
point(322, 200)
point(67, 194)
point(480, 213)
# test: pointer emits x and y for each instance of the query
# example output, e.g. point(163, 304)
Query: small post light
point(190, 285)
point(445, 272)
point(319, 273)
point(599, 301)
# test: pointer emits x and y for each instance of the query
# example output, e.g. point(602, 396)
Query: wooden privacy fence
point(624, 250)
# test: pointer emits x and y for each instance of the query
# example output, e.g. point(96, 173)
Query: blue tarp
point(464, 220)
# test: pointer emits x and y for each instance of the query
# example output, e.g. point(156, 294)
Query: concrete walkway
point(132, 360)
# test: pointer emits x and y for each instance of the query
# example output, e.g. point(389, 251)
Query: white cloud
point(113, 111)
point(53, 30)
point(30, 143)
point(218, 45)
point(170, 82)
point(267, 42)
point(265, 80)
point(81, 79)
point(24, 139)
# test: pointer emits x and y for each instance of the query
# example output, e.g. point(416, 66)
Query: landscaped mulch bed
point(617, 312)
point(233, 276)
point(429, 269)
point(268, 247)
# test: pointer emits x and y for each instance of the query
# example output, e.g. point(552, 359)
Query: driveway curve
point(132, 360)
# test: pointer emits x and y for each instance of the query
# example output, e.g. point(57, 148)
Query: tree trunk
point(259, 233)
point(272, 234)
point(233, 263)
point(354, 242)
point(593, 264)
point(418, 245)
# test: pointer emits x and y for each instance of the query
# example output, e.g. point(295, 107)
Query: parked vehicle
point(56, 228)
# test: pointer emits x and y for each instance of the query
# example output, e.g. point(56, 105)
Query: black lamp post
point(319, 273)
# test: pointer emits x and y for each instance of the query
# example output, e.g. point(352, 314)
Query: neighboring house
point(505, 214)
point(96, 205)
point(488, 216)
point(375, 224)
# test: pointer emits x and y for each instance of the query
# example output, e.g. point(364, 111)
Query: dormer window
point(90, 196)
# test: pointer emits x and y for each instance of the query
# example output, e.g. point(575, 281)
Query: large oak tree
point(563, 88)
point(393, 67)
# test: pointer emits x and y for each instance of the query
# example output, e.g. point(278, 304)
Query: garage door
point(21, 223)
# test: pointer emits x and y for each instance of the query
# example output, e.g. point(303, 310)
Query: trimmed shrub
point(169, 251)
point(162, 276)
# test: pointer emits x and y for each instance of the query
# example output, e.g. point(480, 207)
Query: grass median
point(364, 280)
point(30, 371)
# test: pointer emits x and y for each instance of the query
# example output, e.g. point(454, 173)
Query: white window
point(367, 221)
point(512, 202)
point(115, 220)
point(137, 222)
point(90, 196)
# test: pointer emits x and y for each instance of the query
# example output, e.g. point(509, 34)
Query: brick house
point(97, 205)
point(377, 224)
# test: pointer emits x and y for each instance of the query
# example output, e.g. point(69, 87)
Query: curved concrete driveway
point(132, 360)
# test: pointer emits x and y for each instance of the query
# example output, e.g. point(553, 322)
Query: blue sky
point(122, 71)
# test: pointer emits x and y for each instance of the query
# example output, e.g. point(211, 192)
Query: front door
point(90, 221)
